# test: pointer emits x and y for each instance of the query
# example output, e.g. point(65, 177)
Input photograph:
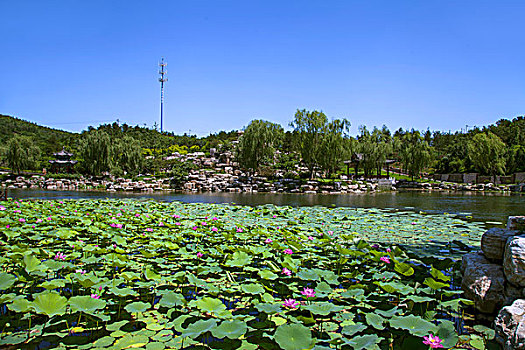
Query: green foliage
point(258, 144)
point(21, 154)
point(486, 151)
point(96, 151)
point(414, 152)
point(128, 155)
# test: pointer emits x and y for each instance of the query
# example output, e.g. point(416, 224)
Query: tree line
point(315, 141)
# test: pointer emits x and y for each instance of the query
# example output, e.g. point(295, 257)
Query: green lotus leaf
point(477, 342)
point(86, 304)
point(323, 308)
point(307, 275)
point(31, 263)
point(293, 337)
point(269, 308)
point(375, 321)
point(116, 325)
point(404, 269)
point(489, 333)
point(171, 299)
point(230, 329)
point(50, 304)
point(350, 330)
point(439, 275)
point(122, 292)
point(357, 294)
point(130, 341)
point(432, 283)
point(104, 342)
point(368, 341)
point(447, 332)
point(137, 306)
point(197, 328)
point(239, 259)
point(252, 288)
point(210, 305)
point(268, 275)
point(151, 275)
point(6, 280)
point(13, 339)
point(53, 284)
point(414, 324)
point(20, 305)
point(155, 346)
point(388, 313)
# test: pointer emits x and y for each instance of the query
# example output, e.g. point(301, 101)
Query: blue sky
point(436, 64)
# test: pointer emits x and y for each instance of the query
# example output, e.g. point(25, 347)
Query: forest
point(313, 140)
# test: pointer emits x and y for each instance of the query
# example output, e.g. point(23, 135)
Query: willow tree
point(335, 144)
point(21, 153)
point(128, 155)
point(487, 151)
point(96, 152)
point(258, 144)
point(414, 152)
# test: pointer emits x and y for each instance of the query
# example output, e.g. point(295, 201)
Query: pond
point(481, 206)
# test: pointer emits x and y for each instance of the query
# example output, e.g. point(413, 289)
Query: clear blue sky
point(438, 64)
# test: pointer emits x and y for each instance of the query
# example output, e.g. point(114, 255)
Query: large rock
point(516, 223)
point(514, 260)
point(493, 243)
point(483, 282)
point(510, 326)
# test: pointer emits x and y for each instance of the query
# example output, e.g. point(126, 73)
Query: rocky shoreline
point(206, 181)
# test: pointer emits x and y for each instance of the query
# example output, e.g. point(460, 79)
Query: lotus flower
point(286, 272)
point(194, 228)
point(204, 223)
point(149, 229)
point(80, 271)
point(2, 208)
point(22, 220)
point(291, 303)
point(176, 216)
point(60, 256)
point(215, 218)
point(239, 229)
point(308, 292)
point(385, 259)
point(95, 296)
point(310, 238)
point(200, 255)
point(388, 250)
point(268, 240)
point(214, 229)
point(288, 251)
point(433, 341)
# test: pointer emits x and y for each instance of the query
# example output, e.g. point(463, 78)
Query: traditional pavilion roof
point(63, 153)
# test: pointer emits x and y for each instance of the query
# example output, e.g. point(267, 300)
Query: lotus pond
point(118, 274)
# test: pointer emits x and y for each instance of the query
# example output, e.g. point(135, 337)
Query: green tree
point(487, 151)
point(96, 152)
point(128, 154)
point(414, 152)
point(21, 153)
point(258, 144)
point(334, 145)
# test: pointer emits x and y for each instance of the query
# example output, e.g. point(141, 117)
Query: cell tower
point(162, 80)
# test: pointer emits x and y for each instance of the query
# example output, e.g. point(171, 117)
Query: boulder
point(493, 243)
point(483, 282)
point(510, 326)
point(514, 260)
point(516, 223)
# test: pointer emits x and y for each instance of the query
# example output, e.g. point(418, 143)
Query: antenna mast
point(162, 80)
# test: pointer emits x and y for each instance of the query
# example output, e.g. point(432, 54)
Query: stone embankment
point(495, 279)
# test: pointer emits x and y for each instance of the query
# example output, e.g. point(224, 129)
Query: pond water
point(481, 206)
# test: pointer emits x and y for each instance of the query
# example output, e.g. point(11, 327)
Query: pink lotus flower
point(268, 240)
point(274, 216)
point(288, 251)
point(194, 228)
point(239, 229)
point(176, 216)
point(286, 272)
point(60, 256)
point(7, 226)
point(388, 250)
point(214, 229)
point(119, 214)
point(38, 221)
point(80, 271)
point(2, 208)
point(385, 259)
point(204, 223)
point(310, 238)
point(161, 223)
point(215, 218)
point(291, 303)
point(330, 233)
point(308, 292)
point(433, 341)
point(178, 223)
point(200, 255)
point(17, 211)
point(22, 220)
point(149, 229)
point(95, 296)
point(414, 223)
point(137, 215)
point(49, 218)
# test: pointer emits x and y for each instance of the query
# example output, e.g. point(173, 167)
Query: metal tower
point(162, 80)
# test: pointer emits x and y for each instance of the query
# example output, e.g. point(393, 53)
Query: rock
point(510, 326)
point(516, 223)
point(512, 293)
point(514, 260)
point(493, 242)
point(483, 282)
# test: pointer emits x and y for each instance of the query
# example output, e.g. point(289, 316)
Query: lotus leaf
point(137, 306)
point(197, 328)
point(252, 288)
point(6, 280)
point(86, 304)
point(293, 337)
point(414, 324)
point(230, 329)
point(50, 304)
point(368, 341)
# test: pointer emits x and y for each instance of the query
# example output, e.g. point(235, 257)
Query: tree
point(486, 151)
point(21, 153)
point(128, 154)
point(414, 152)
point(334, 144)
point(258, 143)
point(96, 152)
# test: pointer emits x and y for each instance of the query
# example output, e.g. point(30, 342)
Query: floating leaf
point(6, 280)
point(50, 304)
point(414, 324)
point(230, 329)
point(293, 337)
